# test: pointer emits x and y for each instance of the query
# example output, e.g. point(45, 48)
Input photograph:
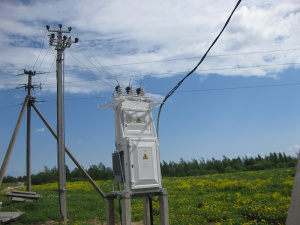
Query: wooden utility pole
point(12, 140)
point(69, 153)
point(61, 43)
point(28, 148)
point(28, 102)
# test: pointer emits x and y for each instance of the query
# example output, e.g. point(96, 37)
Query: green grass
point(260, 197)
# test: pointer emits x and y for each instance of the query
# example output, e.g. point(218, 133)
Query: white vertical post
point(294, 209)
point(126, 209)
point(164, 207)
point(60, 132)
point(60, 42)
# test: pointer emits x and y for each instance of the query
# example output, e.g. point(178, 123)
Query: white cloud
point(40, 130)
point(126, 32)
point(292, 151)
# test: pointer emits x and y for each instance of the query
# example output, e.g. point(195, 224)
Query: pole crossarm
point(69, 153)
point(13, 140)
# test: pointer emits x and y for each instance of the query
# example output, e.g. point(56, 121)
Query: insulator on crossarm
point(142, 93)
point(127, 89)
point(131, 92)
point(120, 91)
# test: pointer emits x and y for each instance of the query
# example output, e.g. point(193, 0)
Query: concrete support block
point(164, 207)
point(294, 209)
point(126, 209)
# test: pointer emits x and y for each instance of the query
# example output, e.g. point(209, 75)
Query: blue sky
point(242, 101)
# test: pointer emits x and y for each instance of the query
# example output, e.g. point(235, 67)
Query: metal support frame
point(126, 207)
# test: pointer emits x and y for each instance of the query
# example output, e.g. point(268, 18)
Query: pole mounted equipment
point(60, 43)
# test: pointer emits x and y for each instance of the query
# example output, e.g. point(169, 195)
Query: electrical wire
point(197, 57)
point(5, 107)
point(161, 74)
point(193, 70)
point(44, 57)
point(5, 78)
point(42, 84)
point(166, 60)
point(40, 50)
point(105, 71)
point(179, 92)
point(8, 90)
point(88, 68)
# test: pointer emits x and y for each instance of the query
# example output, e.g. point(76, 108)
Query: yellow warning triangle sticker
point(145, 156)
point(138, 120)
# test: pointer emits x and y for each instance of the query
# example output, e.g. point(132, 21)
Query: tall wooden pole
point(69, 153)
point(28, 140)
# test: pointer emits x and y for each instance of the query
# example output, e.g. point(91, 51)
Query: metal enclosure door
point(145, 166)
point(137, 122)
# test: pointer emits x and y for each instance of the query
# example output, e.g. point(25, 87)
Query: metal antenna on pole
point(61, 43)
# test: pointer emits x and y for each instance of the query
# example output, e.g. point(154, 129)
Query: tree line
point(96, 172)
point(227, 165)
point(172, 169)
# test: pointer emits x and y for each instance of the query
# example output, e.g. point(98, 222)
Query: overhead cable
point(163, 60)
point(197, 57)
point(88, 68)
point(193, 70)
point(178, 92)
point(40, 50)
point(161, 74)
point(104, 70)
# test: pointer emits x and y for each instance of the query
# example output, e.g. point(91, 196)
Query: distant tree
point(9, 179)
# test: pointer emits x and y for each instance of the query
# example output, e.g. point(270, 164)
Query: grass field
point(260, 197)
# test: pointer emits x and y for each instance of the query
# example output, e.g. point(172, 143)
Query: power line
point(8, 90)
point(6, 78)
point(10, 106)
point(196, 67)
point(161, 74)
point(198, 57)
point(104, 70)
point(167, 60)
point(178, 92)
point(87, 67)
point(241, 87)
point(8, 69)
point(40, 50)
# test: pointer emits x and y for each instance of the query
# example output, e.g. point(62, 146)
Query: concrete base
point(9, 216)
